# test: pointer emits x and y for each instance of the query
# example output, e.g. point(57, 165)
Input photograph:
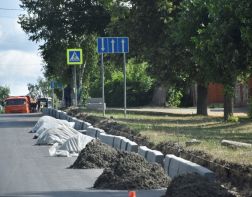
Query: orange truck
point(18, 104)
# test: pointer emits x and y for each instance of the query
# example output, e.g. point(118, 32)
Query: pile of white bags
point(59, 133)
point(71, 147)
point(48, 122)
point(65, 139)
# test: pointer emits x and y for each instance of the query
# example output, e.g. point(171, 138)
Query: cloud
point(13, 37)
point(1, 34)
point(18, 68)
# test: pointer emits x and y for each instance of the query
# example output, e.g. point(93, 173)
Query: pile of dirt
point(95, 155)
point(194, 185)
point(122, 170)
point(131, 171)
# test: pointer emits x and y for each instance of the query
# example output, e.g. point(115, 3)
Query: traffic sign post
point(74, 57)
point(113, 45)
point(103, 94)
point(125, 85)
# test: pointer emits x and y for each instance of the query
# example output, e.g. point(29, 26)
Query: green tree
point(139, 85)
point(4, 93)
point(227, 52)
point(187, 27)
point(149, 25)
point(39, 89)
point(65, 24)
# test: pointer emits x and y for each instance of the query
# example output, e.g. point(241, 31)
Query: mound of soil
point(194, 185)
point(131, 171)
point(95, 155)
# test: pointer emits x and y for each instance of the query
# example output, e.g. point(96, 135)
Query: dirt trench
point(231, 174)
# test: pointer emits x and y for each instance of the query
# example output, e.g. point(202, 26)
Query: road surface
point(27, 170)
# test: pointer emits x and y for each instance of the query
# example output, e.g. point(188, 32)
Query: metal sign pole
point(75, 87)
point(63, 98)
point(103, 96)
point(125, 95)
point(74, 57)
point(53, 96)
point(113, 45)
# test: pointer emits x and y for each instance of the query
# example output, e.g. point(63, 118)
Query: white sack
point(76, 144)
point(40, 122)
point(58, 134)
point(72, 146)
point(50, 123)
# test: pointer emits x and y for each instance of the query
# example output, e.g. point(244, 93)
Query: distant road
point(27, 170)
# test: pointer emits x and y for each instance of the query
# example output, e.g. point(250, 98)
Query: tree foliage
point(139, 85)
point(4, 93)
point(62, 24)
point(39, 89)
point(182, 41)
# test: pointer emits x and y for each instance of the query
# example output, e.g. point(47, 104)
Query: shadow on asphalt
point(20, 115)
point(89, 193)
point(17, 124)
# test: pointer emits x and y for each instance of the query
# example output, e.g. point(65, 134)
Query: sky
point(20, 62)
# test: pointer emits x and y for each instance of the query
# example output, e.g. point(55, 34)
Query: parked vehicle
point(44, 103)
point(17, 104)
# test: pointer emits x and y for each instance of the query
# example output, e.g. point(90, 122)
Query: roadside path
point(219, 112)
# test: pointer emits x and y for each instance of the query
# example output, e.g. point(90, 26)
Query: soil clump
point(95, 155)
point(132, 171)
point(194, 185)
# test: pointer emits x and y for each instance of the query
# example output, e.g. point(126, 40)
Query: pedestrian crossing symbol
point(74, 56)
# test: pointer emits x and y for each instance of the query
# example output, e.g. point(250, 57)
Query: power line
point(11, 9)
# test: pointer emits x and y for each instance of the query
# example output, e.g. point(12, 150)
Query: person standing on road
point(38, 105)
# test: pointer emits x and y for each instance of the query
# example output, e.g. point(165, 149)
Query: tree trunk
point(228, 105)
point(202, 100)
point(159, 95)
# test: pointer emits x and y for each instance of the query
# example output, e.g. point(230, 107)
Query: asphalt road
point(27, 169)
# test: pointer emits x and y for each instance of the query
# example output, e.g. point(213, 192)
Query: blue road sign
point(113, 45)
point(52, 83)
point(55, 85)
point(74, 56)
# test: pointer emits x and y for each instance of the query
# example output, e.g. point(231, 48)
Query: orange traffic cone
point(132, 194)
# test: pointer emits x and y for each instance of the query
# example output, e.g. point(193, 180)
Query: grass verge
point(181, 128)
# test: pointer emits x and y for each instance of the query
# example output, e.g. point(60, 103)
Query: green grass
point(181, 128)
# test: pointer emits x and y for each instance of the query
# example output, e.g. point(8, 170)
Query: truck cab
point(17, 104)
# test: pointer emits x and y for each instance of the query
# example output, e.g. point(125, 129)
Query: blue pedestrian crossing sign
point(74, 56)
point(113, 45)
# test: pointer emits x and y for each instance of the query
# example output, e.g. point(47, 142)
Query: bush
point(233, 119)
point(174, 97)
point(135, 96)
point(139, 86)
